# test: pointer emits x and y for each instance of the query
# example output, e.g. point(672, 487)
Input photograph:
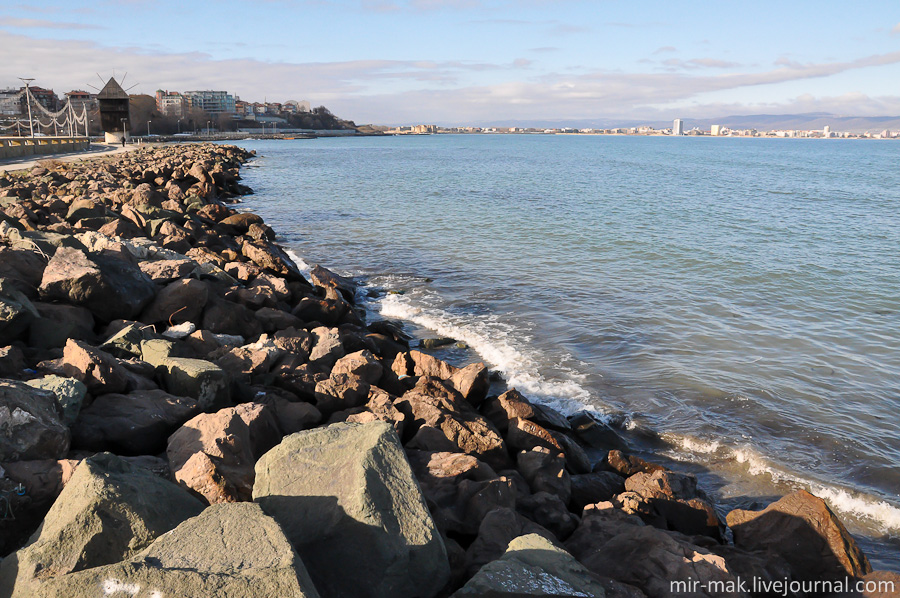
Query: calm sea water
point(739, 296)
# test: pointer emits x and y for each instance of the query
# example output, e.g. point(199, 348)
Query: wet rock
point(801, 530)
point(212, 455)
point(356, 495)
point(134, 424)
point(512, 404)
point(69, 393)
point(441, 420)
point(628, 465)
point(105, 283)
point(325, 278)
point(31, 424)
point(533, 566)
point(471, 381)
point(108, 511)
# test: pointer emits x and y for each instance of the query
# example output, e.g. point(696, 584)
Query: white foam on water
point(867, 509)
point(493, 342)
point(302, 264)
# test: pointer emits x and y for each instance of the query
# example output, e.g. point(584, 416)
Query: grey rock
point(16, 312)
point(533, 566)
point(69, 393)
point(347, 490)
point(31, 424)
point(184, 377)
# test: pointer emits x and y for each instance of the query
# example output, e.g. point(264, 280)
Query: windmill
point(114, 110)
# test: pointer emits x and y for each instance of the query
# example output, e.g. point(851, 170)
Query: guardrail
point(16, 147)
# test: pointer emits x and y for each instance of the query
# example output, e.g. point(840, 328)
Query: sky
point(459, 62)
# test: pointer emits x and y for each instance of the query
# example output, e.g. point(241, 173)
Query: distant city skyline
point(476, 61)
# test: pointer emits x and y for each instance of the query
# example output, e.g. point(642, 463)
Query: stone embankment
point(184, 414)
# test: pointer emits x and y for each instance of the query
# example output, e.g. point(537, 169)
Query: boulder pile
point(184, 413)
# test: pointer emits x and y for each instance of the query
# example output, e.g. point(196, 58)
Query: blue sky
point(476, 61)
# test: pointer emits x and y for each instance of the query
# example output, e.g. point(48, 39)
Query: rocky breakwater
point(183, 413)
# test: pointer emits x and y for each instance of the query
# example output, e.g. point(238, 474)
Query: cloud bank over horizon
point(542, 71)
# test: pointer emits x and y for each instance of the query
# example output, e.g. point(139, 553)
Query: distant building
point(826, 132)
point(170, 103)
point(295, 106)
point(715, 130)
point(213, 102)
point(82, 100)
point(678, 127)
point(9, 102)
point(424, 129)
point(45, 97)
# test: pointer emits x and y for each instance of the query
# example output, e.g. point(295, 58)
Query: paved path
point(96, 149)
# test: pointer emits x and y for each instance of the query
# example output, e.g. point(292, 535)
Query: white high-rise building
point(678, 127)
point(715, 130)
point(826, 132)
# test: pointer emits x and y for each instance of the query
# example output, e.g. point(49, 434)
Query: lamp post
point(124, 134)
point(148, 127)
point(27, 82)
point(179, 124)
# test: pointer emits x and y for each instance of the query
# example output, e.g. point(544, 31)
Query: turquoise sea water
point(741, 297)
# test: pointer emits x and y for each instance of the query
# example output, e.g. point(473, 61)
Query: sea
point(730, 305)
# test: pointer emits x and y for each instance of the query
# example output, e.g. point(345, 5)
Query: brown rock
point(322, 277)
point(241, 221)
point(292, 416)
point(341, 391)
point(524, 435)
point(628, 465)
point(545, 471)
point(225, 317)
point(442, 420)
point(273, 319)
point(497, 530)
point(212, 455)
point(805, 533)
point(99, 371)
point(591, 488)
point(549, 511)
point(178, 302)
point(362, 364)
point(166, 271)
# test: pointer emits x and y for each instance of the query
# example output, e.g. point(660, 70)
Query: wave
point(495, 344)
point(878, 513)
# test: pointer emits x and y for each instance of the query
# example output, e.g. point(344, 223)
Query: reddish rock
point(243, 271)
point(628, 465)
point(99, 371)
point(443, 421)
point(801, 530)
point(341, 391)
point(166, 271)
point(591, 488)
point(524, 435)
point(549, 511)
point(212, 455)
point(225, 317)
point(292, 416)
point(241, 221)
point(322, 277)
point(362, 364)
point(263, 426)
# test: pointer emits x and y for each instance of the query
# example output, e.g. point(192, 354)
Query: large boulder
point(471, 381)
point(107, 283)
point(108, 512)
point(499, 528)
point(673, 501)
point(801, 530)
point(31, 425)
point(137, 423)
point(533, 566)
point(212, 455)
point(232, 550)
point(347, 490)
point(58, 323)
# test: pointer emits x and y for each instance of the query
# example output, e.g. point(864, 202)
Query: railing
point(15, 147)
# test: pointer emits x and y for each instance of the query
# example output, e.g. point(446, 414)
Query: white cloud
point(419, 91)
point(896, 29)
point(42, 24)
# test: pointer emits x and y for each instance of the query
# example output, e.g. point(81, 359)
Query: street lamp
point(148, 127)
point(27, 81)
point(179, 124)
point(207, 128)
point(124, 134)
